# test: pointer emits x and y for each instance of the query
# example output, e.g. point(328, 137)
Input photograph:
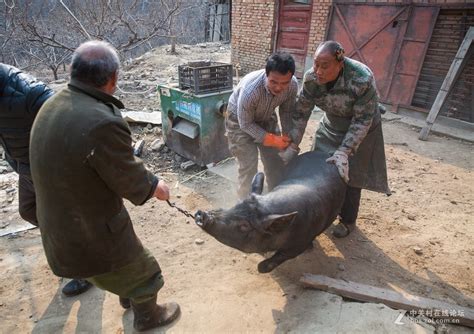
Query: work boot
point(76, 287)
point(343, 230)
point(124, 302)
point(149, 315)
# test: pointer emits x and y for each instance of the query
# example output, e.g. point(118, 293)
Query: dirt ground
point(419, 240)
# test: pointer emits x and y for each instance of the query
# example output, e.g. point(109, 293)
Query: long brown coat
point(82, 166)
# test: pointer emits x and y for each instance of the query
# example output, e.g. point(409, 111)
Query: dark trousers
point(140, 280)
point(27, 199)
point(26, 190)
point(350, 207)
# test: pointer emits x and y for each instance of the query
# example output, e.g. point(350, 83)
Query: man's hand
point(295, 135)
point(279, 142)
point(288, 154)
point(341, 160)
point(162, 192)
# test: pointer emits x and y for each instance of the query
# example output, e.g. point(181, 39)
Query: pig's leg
point(278, 258)
point(271, 263)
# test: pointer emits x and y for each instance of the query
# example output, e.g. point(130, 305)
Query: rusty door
point(391, 39)
point(294, 22)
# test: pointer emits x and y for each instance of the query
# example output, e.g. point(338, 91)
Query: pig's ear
point(257, 183)
point(277, 223)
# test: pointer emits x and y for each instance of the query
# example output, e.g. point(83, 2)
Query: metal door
point(391, 39)
point(294, 22)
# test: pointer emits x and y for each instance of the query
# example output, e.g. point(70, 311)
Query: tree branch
point(76, 19)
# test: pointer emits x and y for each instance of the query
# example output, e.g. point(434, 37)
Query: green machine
point(193, 112)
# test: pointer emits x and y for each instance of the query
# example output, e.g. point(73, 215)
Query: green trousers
point(140, 280)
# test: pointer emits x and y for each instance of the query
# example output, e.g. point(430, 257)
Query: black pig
point(285, 220)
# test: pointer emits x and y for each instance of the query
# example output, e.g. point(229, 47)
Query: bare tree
point(51, 57)
point(6, 34)
point(49, 30)
point(126, 24)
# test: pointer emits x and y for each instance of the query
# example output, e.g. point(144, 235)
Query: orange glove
point(279, 142)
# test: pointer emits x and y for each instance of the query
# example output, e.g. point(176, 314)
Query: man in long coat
point(351, 128)
point(83, 166)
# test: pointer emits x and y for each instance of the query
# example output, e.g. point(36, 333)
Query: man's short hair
point(281, 62)
point(333, 48)
point(94, 63)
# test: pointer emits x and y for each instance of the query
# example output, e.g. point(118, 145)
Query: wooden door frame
point(276, 26)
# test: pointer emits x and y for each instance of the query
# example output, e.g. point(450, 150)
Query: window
point(297, 2)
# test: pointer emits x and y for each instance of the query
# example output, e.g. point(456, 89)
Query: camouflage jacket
point(353, 96)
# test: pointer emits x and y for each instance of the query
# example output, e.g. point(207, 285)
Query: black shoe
point(150, 315)
point(76, 287)
point(124, 302)
point(342, 230)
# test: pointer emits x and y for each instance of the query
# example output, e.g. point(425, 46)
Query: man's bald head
point(95, 63)
point(332, 48)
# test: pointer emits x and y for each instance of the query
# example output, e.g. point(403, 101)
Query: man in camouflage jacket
point(350, 129)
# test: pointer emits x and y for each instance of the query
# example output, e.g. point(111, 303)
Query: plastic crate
point(205, 77)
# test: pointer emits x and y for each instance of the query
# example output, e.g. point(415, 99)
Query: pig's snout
point(202, 218)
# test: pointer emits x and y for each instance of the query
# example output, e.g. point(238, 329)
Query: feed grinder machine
point(193, 111)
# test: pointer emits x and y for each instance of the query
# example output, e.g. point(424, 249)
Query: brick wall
point(319, 19)
point(252, 33)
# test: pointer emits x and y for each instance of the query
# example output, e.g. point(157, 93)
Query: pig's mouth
point(203, 219)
